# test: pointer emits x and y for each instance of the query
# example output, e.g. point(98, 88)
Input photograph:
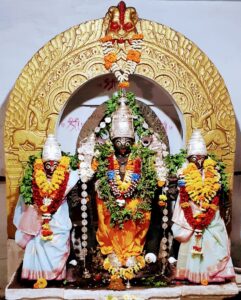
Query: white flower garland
point(122, 75)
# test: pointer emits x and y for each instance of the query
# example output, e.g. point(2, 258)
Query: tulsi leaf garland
point(201, 191)
point(146, 184)
point(145, 188)
point(26, 184)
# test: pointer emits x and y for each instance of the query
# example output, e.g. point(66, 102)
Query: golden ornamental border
point(71, 58)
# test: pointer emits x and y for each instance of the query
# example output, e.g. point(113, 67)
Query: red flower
point(45, 232)
point(111, 162)
point(199, 223)
point(57, 200)
point(137, 165)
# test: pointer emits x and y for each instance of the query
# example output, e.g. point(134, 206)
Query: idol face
point(123, 145)
point(50, 167)
point(198, 160)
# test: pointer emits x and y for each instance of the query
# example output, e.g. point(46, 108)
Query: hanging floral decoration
point(162, 200)
point(203, 191)
point(145, 183)
point(202, 220)
point(123, 189)
point(133, 57)
point(47, 195)
point(200, 190)
point(144, 172)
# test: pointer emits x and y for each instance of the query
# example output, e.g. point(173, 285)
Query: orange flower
point(44, 208)
point(106, 38)
point(202, 216)
point(38, 166)
point(41, 283)
point(141, 261)
point(204, 282)
point(114, 277)
point(108, 65)
point(161, 203)
point(130, 165)
point(185, 204)
point(111, 57)
point(205, 205)
point(94, 164)
point(124, 84)
point(201, 198)
point(160, 183)
point(209, 174)
point(213, 207)
point(134, 55)
point(138, 36)
point(188, 188)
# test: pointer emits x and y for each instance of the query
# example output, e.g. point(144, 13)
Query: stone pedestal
point(187, 292)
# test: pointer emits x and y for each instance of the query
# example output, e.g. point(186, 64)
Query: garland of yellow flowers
point(126, 273)
point(202, 190)
point(132, 59)
point(48, 194)
point(48, 187)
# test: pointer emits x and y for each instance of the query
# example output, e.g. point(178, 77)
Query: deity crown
point(196, 144)
point(122, 121)
point(51, 149)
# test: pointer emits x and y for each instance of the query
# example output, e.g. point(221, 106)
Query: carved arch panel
point(70, 59)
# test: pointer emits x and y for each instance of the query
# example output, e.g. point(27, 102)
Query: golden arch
point(75, 56)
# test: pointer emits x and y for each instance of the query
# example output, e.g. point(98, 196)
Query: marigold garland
point(203, 192)
point(48, 188)
point(132, 59)
point(118, 197)
point(48, 195)
point(125, 273)
point(202, 220)
point(200, 189)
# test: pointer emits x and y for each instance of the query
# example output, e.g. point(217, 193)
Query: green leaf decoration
point(145, 189)
point(175, 161)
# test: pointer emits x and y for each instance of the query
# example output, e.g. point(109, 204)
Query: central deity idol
point(127, 159)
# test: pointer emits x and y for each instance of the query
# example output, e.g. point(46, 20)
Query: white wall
point(215, 26)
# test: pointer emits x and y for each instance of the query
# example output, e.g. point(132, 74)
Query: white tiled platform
point(224, 291)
